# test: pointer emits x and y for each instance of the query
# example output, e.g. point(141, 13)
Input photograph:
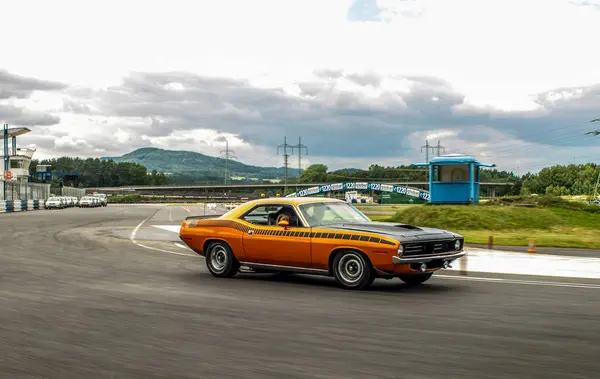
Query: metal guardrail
point(23, 191)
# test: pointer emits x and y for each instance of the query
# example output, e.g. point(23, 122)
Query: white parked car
point(87, 202)
point(54, 202)
point(102, 197)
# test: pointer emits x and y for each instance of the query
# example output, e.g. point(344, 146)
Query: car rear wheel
point(220, 260)
point(414, 279)
point(352, 270)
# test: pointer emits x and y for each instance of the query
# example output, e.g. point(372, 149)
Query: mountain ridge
point(198, 165)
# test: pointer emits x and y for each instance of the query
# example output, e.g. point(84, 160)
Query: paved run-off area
point(98, 293)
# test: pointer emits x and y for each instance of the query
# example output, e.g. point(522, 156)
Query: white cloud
point(498, 53)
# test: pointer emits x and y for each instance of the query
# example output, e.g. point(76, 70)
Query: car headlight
point(457, 245)
point(400, 250)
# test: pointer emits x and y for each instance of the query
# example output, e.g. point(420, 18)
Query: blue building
point(454, 179)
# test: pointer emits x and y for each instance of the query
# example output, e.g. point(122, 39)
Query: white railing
point(22, 152)
point(24, 191)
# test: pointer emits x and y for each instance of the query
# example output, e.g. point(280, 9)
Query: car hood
point(398, 231)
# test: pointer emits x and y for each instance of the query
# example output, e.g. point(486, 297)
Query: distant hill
point(190, 165)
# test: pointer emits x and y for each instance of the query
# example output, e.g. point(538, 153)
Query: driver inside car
point(283, 216)
point(283, 213)
point(287, 214)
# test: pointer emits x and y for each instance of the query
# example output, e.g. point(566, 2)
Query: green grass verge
point(554, 222)
point(384, 208)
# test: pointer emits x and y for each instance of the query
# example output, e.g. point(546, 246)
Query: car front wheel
point(220, 260)
point(414, 279)
point(352, 270)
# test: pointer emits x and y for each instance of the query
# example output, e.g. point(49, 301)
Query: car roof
point(294, 200)
point(236, 212)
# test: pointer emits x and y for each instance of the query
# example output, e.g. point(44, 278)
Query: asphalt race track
point(80, 299)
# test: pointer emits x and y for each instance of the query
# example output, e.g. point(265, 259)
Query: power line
point(595, 132)
point(299, 146)
point(285, 146)
point(229, 154)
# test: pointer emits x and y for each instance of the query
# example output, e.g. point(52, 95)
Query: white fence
point(75, 192)
point(23, 191)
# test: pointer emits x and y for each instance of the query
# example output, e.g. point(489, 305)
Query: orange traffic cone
point(531, 246)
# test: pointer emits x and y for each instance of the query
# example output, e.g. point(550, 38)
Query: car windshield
point(331, 213)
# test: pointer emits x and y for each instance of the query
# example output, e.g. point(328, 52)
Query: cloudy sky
point(514, 82)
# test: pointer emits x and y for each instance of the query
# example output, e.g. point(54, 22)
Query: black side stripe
point(286, 233)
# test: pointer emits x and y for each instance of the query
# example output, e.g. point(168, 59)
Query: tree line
point(93, 172)
point(572, 179)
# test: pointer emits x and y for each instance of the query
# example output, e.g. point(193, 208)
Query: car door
point(271, 244)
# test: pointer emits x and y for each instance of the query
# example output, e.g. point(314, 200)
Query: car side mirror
point(283, 223)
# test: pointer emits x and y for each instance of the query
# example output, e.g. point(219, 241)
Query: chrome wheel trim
point(351, 268)
point(218, 258)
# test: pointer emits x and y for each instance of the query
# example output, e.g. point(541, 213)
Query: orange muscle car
point(318, 236)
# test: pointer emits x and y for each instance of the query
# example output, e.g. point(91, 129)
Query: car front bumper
point(427, 258)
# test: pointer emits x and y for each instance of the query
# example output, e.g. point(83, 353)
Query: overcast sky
point(513, 82)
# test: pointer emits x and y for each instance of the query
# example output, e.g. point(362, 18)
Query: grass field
point(553, 222)
point(366, 208)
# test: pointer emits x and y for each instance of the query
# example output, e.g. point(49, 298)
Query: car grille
point(428, 248)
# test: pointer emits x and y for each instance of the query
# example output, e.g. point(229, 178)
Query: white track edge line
point(519, 281)
point(134, 232)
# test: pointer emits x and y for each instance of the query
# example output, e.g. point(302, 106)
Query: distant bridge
point(363, 186)
point(180, 187)
point(207, 189)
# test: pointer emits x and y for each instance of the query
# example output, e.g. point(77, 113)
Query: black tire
point(353, 270)
point(220, 260)
point(415, 279)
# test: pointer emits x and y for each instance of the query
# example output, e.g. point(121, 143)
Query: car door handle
point(250, 232)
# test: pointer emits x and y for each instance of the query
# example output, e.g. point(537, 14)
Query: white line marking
point(170, 228)
point(134, 232)
point(517, 281)
point(170, 214)
point(181, 245)
point(530, 264)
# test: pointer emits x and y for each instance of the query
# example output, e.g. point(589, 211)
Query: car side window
point(268, 215)
point(260, 214)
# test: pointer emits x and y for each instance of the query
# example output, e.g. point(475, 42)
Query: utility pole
point(439, 147)
point(597, 186)
point(285, 146)
point(228, 154)
point(6, 158)
point(299, 146)
point(427, 147)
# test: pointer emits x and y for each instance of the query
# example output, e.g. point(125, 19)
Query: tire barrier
point(9, 206)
